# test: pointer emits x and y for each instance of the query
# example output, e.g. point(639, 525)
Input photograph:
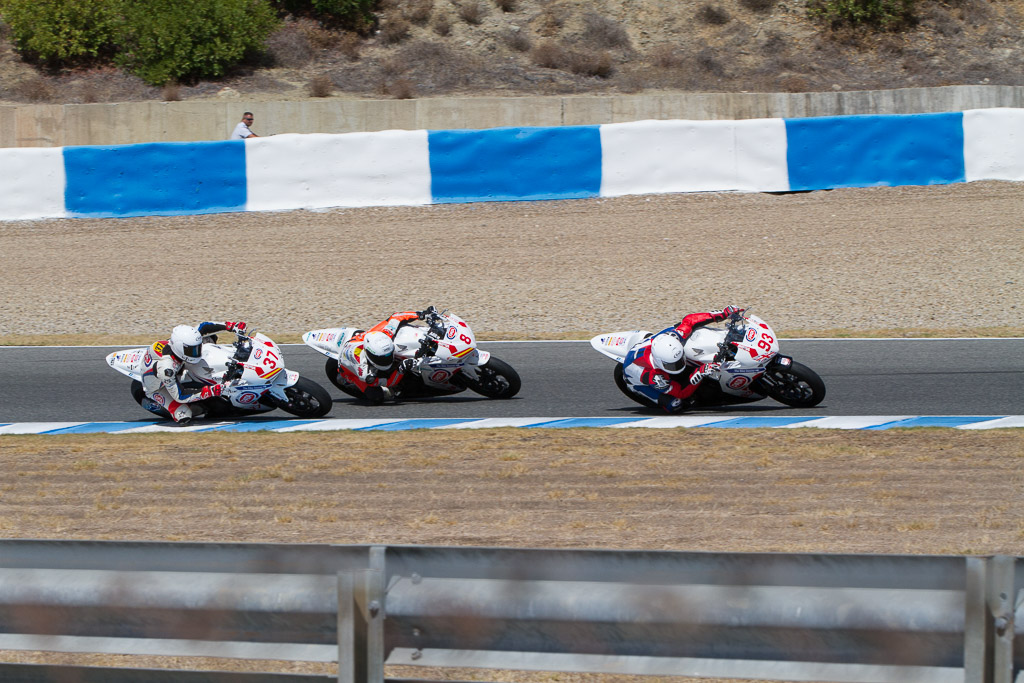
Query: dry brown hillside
point(431, 48)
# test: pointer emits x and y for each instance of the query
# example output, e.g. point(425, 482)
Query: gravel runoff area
point(946, 259)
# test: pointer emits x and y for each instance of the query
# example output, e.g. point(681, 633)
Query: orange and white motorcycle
point(449, 360)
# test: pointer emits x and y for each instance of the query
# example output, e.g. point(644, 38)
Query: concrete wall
point(133, 122)
point(416, 167)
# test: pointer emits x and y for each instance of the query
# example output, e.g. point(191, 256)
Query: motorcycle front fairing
point(455, 354)
point(263, 371)
point(755, 347)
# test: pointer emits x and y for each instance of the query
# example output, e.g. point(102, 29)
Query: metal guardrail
point(853, 618)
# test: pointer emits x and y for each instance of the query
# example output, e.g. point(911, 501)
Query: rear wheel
point(797, 386)
point(138, 393)
point(620, 382)
point(495, 379)
point(306, 398)
point(331, 368)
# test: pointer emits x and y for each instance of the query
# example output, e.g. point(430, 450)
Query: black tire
point(331, 368)
point(138, 393)
point(797, 386)
point(620, 382)
point(307, 399)
point(495, 379)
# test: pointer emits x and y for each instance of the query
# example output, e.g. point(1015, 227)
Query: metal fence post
point(347, 652)
point(976, 623)
point(370, 599)
point(988, 620)
point(1001, 607)
point(361, 622)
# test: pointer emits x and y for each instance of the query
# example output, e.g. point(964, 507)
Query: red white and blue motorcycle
point(751, 366)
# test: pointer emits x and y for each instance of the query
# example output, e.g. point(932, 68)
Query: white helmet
point(667, 353)
point(380, 350)
point(187, 343)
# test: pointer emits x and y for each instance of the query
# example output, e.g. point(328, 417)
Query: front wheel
point(495, 379)
point(797, 386)
point(306, 398)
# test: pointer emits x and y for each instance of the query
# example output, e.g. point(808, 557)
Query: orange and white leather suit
point(374, 383)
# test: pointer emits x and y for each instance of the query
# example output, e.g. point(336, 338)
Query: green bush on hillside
point(354, 15)
point(880, 14)
point(61, 32)
point(157, 40)
point(162, 41)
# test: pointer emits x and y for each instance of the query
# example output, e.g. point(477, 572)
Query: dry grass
point(320, 86)
point(901, 491)
point(471, 12)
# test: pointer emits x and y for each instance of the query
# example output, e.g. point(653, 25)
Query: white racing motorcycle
point(451, 361)
point(751, 366)
point(256, 380)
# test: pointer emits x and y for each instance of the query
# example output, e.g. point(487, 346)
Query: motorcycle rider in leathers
point(164, 364)
point(367, 359)
point(651, 367)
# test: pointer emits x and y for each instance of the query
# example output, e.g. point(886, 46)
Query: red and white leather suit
point(644, 378)
point(163, 372)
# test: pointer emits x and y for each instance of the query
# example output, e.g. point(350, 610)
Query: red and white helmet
point(187, 344)
point(379, 350)
point(667, 353)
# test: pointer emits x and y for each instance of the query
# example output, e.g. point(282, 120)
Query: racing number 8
point(465, 339)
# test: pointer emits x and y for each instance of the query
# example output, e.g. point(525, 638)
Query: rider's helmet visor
point(674, 366)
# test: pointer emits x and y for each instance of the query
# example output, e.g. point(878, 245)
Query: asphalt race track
point(569, 379)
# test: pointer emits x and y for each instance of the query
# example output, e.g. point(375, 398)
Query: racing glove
point(406, 366)
point(211, 391)
point(238, 327)
point(705, 370)
point(725, 312)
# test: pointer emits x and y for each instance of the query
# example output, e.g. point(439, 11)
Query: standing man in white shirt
point(242, 131)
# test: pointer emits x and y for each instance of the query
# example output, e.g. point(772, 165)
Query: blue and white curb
point(860, 422)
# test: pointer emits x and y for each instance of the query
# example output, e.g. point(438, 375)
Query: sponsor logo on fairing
point(451, 333)
point(247, 397)
point(439, 376)
point(738, 382)
point(751, 333)
point(257, 354)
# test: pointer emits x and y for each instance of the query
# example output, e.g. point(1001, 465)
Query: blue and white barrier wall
point(400, 167)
